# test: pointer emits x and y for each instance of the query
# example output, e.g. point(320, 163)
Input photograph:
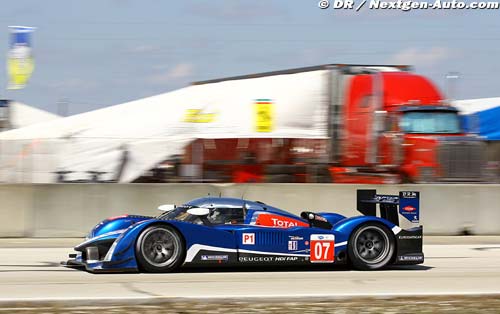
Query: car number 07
point(322, 248)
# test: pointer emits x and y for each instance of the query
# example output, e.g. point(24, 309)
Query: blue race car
point(219, 231)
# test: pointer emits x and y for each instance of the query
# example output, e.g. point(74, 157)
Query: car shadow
point(297, 268)
point(407, 267)
point(274, 268)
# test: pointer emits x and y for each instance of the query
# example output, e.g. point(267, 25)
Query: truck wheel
point(159, 249)
point(371, 246)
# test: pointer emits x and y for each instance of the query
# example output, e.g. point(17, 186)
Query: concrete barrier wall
point(70, 210)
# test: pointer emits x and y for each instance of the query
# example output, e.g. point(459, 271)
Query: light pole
point(451, 88)
point(63, 107)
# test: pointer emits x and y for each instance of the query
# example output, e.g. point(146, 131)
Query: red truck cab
point(407, 135)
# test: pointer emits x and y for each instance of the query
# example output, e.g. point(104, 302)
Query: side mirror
point(380, 119)
point(198, 211)
point(377, 128)
point(167, 207)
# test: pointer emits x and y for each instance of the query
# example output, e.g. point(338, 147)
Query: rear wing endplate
point(406, 204)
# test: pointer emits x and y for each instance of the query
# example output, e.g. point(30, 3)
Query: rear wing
point(406, 204)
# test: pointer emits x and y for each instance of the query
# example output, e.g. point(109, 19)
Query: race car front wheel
point(159, 248)
point(371, 246)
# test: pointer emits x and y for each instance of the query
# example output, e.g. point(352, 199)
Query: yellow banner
point(264, 115)
point(20, 71)
point(20, 63)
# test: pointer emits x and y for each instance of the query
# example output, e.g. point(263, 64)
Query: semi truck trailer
point(330, 123)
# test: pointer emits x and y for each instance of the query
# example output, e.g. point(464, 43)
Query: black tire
point(371, 246)
point(159, 249)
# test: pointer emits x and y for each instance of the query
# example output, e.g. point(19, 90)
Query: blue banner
point(20, 63)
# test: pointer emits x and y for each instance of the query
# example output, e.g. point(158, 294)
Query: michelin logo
point(214, 257)
point(410, 258)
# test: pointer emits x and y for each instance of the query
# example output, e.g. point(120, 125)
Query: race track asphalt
point(33, 273)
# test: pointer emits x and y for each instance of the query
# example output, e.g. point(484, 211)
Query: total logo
point(278, 221)
point(409, 208)
point(283, 223)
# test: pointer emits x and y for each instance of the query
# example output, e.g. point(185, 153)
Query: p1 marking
point(248, 238)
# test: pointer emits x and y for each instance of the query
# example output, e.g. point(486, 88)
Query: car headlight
point(111, 251)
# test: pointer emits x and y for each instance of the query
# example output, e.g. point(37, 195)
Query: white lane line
point(256, 296)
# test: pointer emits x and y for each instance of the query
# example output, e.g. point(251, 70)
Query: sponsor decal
point(409, 208)
point(293, 245)
point(278, 221)
point(411, 258)
point(322, 248)
point(248, 238)
point(386, 198)
point(410, 237)
point(214, 257)
point(194, 249)
point(268, 259)
point(295, 238)
point(199, 116)
point(320, 218)
point(407, 194)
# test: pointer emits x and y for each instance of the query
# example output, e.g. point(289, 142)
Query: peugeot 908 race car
point(221, 231)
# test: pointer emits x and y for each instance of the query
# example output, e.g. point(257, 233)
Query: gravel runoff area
point(434, 304)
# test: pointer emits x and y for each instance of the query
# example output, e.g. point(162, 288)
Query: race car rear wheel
point(159, 248)
point(371, 246)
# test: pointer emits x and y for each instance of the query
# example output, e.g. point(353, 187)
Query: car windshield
point(216, 216)
point(430, 122)
point(180, 213)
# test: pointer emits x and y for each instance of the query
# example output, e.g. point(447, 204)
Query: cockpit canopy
point(216, 215)
point(223, 211)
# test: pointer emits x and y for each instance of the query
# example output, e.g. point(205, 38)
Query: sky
point(96, 53)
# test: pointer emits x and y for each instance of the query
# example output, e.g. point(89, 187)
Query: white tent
point(94, 141)
point(152, 129)
point(21, 115)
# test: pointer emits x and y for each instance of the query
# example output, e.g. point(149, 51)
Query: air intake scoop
point(316, 220)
